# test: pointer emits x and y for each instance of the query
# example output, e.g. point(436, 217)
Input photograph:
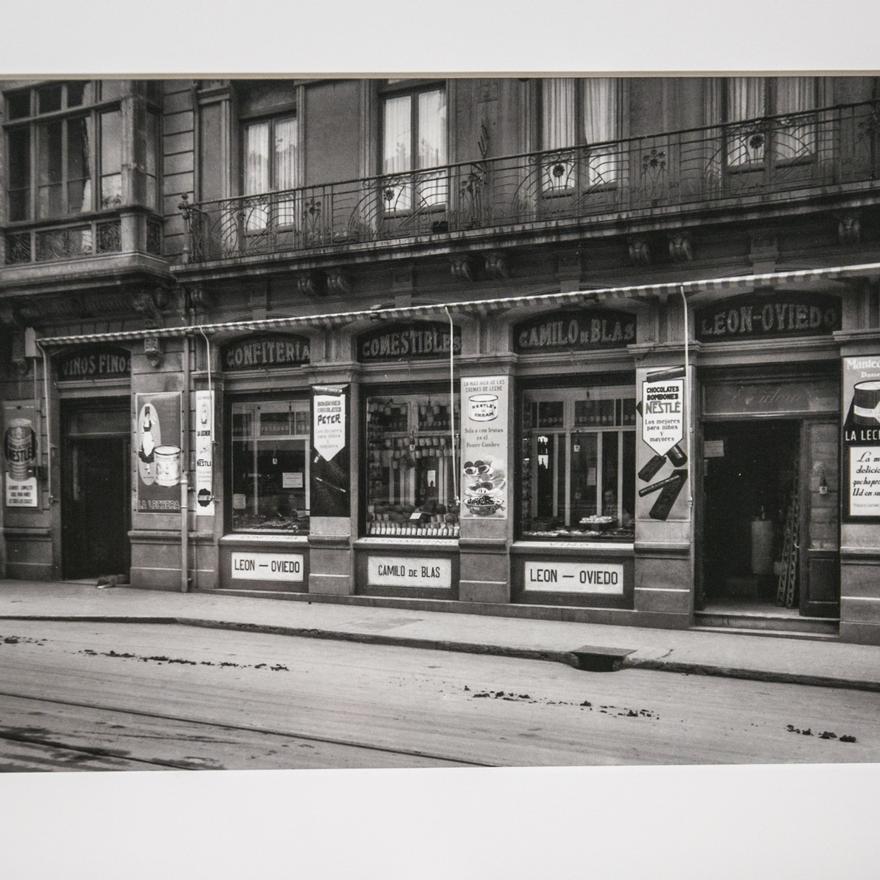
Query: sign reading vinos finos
point(575, 331)
point(100, 362)
point(261, 352)
point(770, 315)
point(428, 339)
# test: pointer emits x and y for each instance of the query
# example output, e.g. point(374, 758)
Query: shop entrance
point(752, 514)
point(96, 503)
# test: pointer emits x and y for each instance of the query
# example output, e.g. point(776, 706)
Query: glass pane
point(48, 99)
point(111, 142)
point(270, 476)
point(584, 476)
point(256, 158)
point(79, 146)
point(50, 192)
point(152, 190)
point(79, 93)
point(285, 154)
point(557, 114)
point(111, 191)
point(19, 158)
point(18, 105)
point(410, 480)
point(397, 135)
point(19, 204)
point(628, 502)
point(432, 128)
point(610, 470)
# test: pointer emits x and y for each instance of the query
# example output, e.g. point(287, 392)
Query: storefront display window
point(578, 463)
point(410, 485)
point(270, 466)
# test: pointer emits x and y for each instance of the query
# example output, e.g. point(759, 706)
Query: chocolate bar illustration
point(671, 487)
point(649, 470)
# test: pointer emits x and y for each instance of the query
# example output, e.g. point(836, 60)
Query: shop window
point(69, 162)
point(750, 100)
point(578, 463)
point(270, 466)
point(269, 166)
point(413, 138)
point(577, 114)
point(410, 478)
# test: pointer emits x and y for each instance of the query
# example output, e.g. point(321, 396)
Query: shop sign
point(574, 577)
point(103, 362)
point(428, 339)
point(778, 314)
point(575, 331)
point(861, 436)
point(287, 567)
point(204, 487)
point(408, 571)
point(260, 352)
point(330, 471)
point(20, 452)
point(484, 436)
point(157, 448)
point(662, 412)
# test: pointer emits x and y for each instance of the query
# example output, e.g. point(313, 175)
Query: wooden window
point(269, 166)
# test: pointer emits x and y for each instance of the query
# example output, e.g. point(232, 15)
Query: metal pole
point(452, 405)
point(184, 475)
point(688, 426)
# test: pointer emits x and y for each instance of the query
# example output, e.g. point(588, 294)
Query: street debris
point(21, 640)
point(510, 696)
point(161, 660)
point(825, 734)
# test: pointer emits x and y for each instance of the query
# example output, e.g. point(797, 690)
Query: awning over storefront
point(556, 299)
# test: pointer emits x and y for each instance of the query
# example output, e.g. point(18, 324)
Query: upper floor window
point(269, 166)
point(580, 113)
point(64, 145)
point(413, 138)
point(750, 100)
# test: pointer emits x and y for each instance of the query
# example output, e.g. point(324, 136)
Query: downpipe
point(184, 472)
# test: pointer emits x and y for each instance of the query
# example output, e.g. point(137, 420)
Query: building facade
point(602, 349)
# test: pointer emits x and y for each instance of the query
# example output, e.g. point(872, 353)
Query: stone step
point(770, 623)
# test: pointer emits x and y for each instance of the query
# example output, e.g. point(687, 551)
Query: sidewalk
point(764, 658)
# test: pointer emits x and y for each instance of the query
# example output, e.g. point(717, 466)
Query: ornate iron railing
point(718, 164)
point(42, 244)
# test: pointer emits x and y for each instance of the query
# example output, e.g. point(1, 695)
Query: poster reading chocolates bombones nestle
point(860, 402)
point(157, 450)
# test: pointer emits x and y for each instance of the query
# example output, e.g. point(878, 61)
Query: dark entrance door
point(96, 498)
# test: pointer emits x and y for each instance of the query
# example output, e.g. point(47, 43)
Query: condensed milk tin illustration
point(483, 407)
point(866, 403)
point(21, 448)
point(167, 461)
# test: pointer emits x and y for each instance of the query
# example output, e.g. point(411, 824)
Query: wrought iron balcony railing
point(719, 164)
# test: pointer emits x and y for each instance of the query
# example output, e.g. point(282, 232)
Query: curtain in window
point(284, 161)
point(795, 94)
point(746, 98)
point(601, 123)
point(111, 159)
point(432, 146)
point(397, 136)
point(79, 146)
point(557, 114)
point(256, 172)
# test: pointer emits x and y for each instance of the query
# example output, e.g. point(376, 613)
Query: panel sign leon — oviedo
point(860, 403)
point(574, 577)
point(249, 566)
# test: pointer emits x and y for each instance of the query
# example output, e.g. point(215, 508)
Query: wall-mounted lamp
point(823, 483)
point(153, 351)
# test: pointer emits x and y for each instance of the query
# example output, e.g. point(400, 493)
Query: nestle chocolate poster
point(860, 403)
point(329, 475)
point(20, 451)
point(484, 465)
point(157, 448)
point(204, 431)
point(661, 460)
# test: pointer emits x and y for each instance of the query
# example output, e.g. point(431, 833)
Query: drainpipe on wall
point(689, 431)
point(452, 407)
point(184, 474)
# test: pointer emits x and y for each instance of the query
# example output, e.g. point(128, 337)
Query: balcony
point(796, 156)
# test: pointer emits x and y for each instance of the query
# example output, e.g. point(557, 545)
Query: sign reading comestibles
point(426, 339)
point(247, 566)
point(262, 352)
point(770, 315)
point(408, 571)
point(861, 437)
point(574, 577)
point(575, 331)
point(100, 362)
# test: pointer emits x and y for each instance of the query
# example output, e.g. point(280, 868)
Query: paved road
point(110, 696)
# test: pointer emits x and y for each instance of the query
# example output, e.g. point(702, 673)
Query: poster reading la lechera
point(20, 452)
point(484, 447)
point(860, 402)
point(157, 447)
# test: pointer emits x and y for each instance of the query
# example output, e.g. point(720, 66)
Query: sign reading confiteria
point(102, 362)
point(575, 331)
point(776, 314)
point(260, 352)
point(429, 339)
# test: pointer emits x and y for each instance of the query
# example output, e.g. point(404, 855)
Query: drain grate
point(591, 658)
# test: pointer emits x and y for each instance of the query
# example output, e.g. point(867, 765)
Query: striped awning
point(557, 299)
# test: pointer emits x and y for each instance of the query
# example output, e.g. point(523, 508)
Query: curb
point(605, 659)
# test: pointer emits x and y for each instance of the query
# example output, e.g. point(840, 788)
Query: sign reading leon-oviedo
point(777, 314)
point(104, 362)
point(426, 339)
point(267, 567)
point(574, 577)
point(578, 331)
point(408, 571)
point(260, 352)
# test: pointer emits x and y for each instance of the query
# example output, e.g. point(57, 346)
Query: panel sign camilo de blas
point(662, 462)
point(157, 447)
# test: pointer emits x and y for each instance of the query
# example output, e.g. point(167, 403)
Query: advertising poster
point(661, 458)
point(329, 475)
point(860, 403)
point(20, 455)
point(484, 466)
point(157, 447)
point(204, 430)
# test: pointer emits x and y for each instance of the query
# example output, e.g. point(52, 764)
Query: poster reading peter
point(861, 437)
point(157, 449)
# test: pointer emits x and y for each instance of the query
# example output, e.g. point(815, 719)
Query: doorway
point(96, 504)
point(752, 515)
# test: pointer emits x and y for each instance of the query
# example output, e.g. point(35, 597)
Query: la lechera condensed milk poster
point(484, 465)
point(157, 448)
point(861, 437)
